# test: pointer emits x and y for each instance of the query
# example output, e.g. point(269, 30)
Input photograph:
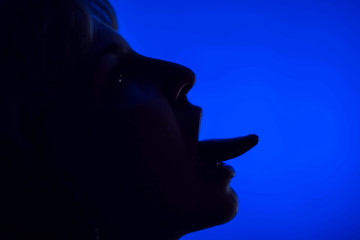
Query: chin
point(214, 211)
point(227, 208)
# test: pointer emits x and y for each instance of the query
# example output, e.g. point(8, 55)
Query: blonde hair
point(42, 41)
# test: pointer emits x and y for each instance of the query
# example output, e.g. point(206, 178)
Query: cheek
point(158, 145)
point(154, 130)
point(144, 130)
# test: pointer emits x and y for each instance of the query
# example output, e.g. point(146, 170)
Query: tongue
point(216, 150)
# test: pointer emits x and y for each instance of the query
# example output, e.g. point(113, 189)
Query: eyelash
point(112, 86)
point(116, 73)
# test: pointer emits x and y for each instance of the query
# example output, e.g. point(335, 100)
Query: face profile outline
point(130, 152)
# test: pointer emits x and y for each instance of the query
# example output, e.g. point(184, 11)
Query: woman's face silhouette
point(136, 154)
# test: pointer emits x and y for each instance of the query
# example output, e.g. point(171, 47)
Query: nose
point(174, 80)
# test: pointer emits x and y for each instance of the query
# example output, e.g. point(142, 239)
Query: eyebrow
point(108, 40)
point(115, 47)
point(118, 43)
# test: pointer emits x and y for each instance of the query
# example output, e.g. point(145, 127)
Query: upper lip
point(211, 151)
point(217, 150)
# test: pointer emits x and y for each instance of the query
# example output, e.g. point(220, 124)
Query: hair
point(42, 43)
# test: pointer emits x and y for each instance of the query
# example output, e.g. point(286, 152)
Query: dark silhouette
point(98, 141)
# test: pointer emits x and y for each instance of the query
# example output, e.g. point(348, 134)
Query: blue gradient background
point(287, 71)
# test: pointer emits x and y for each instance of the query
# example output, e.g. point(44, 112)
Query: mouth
point(213, 153)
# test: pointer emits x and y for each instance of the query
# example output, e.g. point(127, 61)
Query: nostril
point(182, 92)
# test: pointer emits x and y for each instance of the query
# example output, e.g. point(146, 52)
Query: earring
point(120, 78)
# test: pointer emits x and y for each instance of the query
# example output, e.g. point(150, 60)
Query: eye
point(115, 84)
point(117, 78)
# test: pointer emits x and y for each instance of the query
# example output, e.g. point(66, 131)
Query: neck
point(139, 226)
point(140, 234)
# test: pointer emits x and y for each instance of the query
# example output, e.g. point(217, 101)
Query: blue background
point(287, 71)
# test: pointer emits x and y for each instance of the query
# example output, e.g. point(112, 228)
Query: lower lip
point(222, 174)
point(226, 170)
